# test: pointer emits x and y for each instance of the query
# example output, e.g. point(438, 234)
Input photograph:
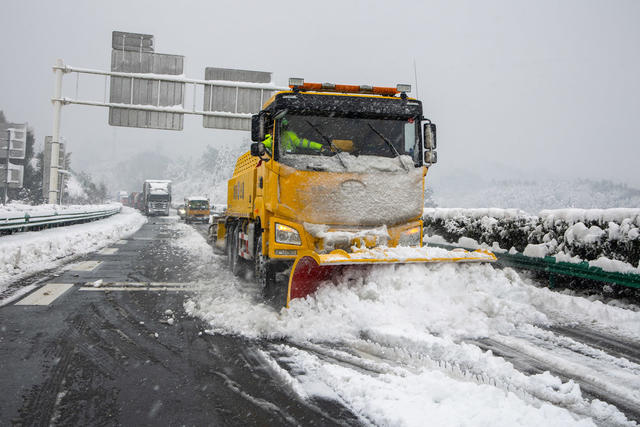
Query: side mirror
point(258, 149)
point(429, 133)
point(257, 127)
point(430, 158)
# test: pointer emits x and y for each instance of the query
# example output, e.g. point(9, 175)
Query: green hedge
point(588, 234)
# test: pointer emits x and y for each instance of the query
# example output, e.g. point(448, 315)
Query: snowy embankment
point(13, 210)
point(396, 344)
point(26, 253)
point(606, 238)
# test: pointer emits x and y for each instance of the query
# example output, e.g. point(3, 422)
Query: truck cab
point(196, 209)
point(332, 168)
point(156, 197)
point(333, 181)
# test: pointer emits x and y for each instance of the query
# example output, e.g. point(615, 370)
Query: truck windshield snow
point(327, 136)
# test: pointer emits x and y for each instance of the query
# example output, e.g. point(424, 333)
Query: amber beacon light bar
point(298, 84)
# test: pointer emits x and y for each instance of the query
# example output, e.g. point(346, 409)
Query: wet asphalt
point(99, 357)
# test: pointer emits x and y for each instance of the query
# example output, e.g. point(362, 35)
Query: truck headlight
point(410, 237)
point(288, 235)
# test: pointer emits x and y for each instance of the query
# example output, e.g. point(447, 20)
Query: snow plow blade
point(310, 268)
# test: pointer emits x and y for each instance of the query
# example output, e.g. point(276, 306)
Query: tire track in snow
point(376, 357)
point(608, 344)
point(524, 356)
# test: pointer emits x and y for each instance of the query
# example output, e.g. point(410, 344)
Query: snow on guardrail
point(17, 217)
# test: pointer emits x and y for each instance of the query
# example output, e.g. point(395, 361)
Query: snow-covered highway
point(154, 329)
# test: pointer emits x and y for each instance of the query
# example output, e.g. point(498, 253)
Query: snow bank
point(448, 300)
point(26, 253)
point(607, 238)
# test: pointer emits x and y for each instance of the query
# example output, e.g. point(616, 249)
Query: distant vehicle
point(218, 212)
point(135, 200)
point(182, 212)
point(156, 197)
point(139, 202)
point(122, 197)
point(196, 209)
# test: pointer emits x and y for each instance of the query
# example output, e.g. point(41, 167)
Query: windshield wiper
point(338, 151)
point(393, 148)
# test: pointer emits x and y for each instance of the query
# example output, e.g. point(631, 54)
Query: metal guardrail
point(550, 265)
point(27, 222)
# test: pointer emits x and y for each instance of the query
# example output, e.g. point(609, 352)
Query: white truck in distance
point(157, 197)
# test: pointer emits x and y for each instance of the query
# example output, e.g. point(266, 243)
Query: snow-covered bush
point(594, 233)
point(507, 227)
point(584, 234)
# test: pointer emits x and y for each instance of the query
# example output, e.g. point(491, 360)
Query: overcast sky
point(518, 88)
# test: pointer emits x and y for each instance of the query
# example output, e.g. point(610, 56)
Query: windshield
point(159, 197)
point(198, 204)
point(326, 136)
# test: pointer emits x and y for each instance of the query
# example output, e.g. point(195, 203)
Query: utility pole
point(6, 176)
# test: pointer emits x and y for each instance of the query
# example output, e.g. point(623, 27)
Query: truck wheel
point(265, 274)
point(228, 243)
point(234, 258)
point(263, 270)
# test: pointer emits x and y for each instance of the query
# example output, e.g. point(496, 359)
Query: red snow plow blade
point(310, 268)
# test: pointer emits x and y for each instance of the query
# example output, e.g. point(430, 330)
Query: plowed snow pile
point(404, 327)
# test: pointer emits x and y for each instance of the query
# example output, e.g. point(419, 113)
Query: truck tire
point(265, 274)
point(235, 262)
point(228, 242)
point(263, 270)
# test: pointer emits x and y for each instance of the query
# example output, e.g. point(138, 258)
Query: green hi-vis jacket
point(290, 141)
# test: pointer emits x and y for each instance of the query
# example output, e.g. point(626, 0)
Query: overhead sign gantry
point(148, 90)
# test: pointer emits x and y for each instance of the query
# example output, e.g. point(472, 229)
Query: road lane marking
point(46, 294)
point(140, 288)
point(167, 284)
point(85, 266)
point(107, 251)
point(112, 288)
point(141, 284)
point(121, 242)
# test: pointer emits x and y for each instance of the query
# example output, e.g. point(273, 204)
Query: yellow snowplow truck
point(196, 209)
point(334, 179)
